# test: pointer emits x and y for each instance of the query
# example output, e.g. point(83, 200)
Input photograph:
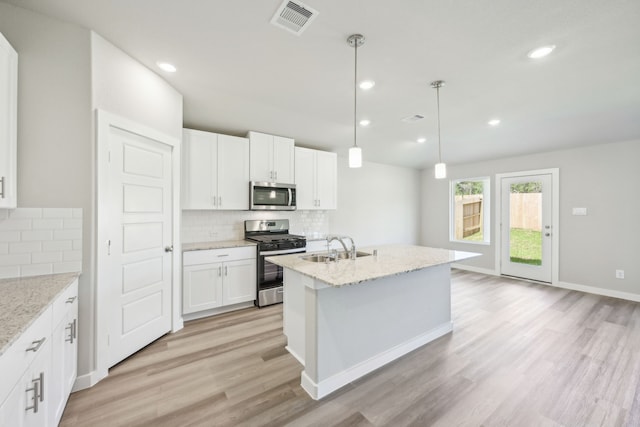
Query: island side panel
point(354, 329)
point(293, 313)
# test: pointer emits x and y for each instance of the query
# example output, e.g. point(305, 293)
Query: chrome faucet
point(351, 252)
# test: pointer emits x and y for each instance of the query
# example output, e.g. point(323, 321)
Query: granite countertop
point(391, 260)
point(200, 246)
point(23, 299)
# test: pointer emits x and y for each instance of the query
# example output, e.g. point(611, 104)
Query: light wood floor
point(521, 354)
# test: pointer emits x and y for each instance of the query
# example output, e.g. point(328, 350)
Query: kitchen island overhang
point(345, 319)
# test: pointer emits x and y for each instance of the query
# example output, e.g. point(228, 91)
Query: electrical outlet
point(619, 274)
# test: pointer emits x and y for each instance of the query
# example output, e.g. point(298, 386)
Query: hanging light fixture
point(355, 152)
point(441, 168)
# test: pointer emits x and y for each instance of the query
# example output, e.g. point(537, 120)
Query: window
point(469, 209)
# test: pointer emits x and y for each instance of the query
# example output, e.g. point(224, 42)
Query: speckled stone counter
point(23, 299)
point(201, 246)
point(391, 260)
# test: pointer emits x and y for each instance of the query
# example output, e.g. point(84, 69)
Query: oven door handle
point(283, 252)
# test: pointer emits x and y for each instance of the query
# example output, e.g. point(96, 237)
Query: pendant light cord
point(439, 145)
point(355, 96)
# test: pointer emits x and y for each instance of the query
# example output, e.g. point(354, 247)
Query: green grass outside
point(526, 246)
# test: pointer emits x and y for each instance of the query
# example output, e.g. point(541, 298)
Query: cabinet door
point(199, 179)
point(261, 157)
point(201, 287)
point(12, 411)
point(305, 179)
point(233, 172)
point(8, 124)
point(239, 281)
point(37, 379)
point(283, 160)
point(326, 180)
point(64, 357)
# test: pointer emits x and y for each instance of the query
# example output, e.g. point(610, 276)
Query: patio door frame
point(555, 217)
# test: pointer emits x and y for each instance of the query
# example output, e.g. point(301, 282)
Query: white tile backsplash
point(205, 226)
point(36, 241)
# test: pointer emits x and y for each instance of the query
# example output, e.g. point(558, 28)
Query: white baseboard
point(212, 312)
point(474, 269)
point(333, 383)
point(599, 291)
point(87, 381)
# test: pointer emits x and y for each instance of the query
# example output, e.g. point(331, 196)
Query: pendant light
point(441, 168)
point(355, 152)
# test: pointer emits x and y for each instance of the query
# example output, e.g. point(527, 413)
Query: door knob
point(168, 248)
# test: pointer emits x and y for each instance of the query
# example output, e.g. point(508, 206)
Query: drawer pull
point(38, 393)
point(35, 345)
point(73, 331)
point(223, 255)
point(71, 300)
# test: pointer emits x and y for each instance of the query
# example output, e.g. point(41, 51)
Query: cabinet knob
point(168, 248)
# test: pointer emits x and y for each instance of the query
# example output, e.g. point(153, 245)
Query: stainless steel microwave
point(271, 196)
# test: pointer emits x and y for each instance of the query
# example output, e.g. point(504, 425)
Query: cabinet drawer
point(65, 303)
point(17, 358)
point(218, 255)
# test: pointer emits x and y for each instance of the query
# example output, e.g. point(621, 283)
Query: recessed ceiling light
point(541, 52)
point(494, 122)
point(367, 84)
point(169, 68)
point(365, 122)
point(421, 140)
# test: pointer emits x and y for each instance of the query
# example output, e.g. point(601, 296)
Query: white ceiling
point(238, 72)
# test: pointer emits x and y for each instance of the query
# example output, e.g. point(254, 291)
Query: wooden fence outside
point(526, 211)
point(468, 215)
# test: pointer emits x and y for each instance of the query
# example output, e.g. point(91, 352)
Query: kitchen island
point(345, 319)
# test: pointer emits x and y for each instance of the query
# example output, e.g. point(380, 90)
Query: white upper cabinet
point(215, 171)
point(272, 158)
point(316, 179)
point(8, 124)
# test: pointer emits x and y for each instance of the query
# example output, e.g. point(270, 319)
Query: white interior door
point(140, 235)
point(526, 228)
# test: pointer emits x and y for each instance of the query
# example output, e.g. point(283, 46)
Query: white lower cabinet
point(218, 277)
point(41, 366)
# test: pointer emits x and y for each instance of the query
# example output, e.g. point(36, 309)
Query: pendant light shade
point(355, 152)
point(440, 168)
point(355, 157)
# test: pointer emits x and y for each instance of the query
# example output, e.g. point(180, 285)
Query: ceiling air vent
point(412, 119)
point(294, 17)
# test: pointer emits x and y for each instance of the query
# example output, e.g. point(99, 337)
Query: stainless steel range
point(273, 239)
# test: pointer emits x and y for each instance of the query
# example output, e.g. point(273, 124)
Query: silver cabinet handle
point(168, 248)
point(71, 300)
point(219, 201)
point(226, 270)
point(38, 392)
point(35, 345)
point(276, 172)
point(2, 186)
point(220, 271)
point(214, 199)
point(223, 255)
point(73, 334)
point(547, 234)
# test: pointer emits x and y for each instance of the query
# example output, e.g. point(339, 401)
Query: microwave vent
point(294, 16)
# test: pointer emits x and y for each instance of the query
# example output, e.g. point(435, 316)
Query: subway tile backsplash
point(212, 226)
point(36, 241)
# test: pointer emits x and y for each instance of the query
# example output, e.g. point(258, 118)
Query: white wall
point(55, 138)
point(64, 73)
point(377, 204)
point(124, 87)
point(602, 178)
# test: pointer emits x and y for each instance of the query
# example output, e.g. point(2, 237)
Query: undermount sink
point(327, 258)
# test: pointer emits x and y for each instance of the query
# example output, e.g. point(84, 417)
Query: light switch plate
point(579, 211)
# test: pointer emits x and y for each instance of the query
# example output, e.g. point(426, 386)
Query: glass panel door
point(526, 227)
